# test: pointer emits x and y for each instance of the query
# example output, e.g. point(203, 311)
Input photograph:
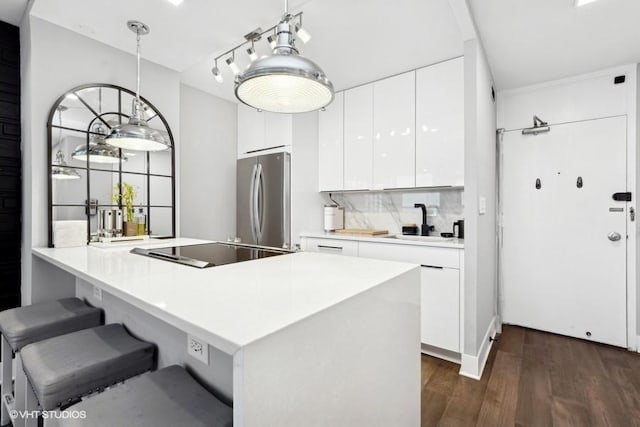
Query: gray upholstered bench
point(65, 368)
point(25, 325)
point(165, 398)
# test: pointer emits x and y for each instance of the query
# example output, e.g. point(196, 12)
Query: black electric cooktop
point(210, 254)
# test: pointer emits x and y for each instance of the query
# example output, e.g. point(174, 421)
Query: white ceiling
point(354, 41)
point(530, 42)
point(11, 11)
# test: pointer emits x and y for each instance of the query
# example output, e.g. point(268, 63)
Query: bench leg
point(7, 388)
point(20, 390)
point(31, 406)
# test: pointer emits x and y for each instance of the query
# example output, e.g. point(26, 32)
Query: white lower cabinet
point(440, 282)
point(440, 302)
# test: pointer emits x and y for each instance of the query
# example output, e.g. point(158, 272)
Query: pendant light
point(98, 150)
point(60, 170)
point(284, 82)
point(137, 135)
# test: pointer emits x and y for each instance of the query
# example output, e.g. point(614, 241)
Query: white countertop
point(228, 306)
point(383, 238)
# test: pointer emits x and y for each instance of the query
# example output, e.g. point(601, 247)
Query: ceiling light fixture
point(580, 3)
point(137, 135)
point(283, 82)
point(176, 2)
point(60, 170)
point(98, 150)
point(252, 52)
point(231, 62)
point(216, 72)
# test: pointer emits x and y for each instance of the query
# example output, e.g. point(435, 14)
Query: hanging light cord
point(138, 115)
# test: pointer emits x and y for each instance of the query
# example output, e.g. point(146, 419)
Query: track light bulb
point(303, 35)
point(217, 74)
point(252, 54)
point(233, 66)
point(272, 41)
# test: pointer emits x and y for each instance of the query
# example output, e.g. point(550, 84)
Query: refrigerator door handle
point(260, 203)
point(255, 212)
point(252, 198)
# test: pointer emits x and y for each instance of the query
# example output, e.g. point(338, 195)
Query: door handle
point(252, 204)
point(614, 236)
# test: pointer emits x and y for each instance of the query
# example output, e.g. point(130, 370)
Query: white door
point(563, 269)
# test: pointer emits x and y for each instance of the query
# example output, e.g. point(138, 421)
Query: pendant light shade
point(98, 150)
point(284, 82)
point(60, 170)
point(136, 134)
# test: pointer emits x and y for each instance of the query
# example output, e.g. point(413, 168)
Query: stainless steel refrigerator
point(264, 200)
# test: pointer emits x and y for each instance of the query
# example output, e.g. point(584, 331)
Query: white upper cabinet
point(440, 124)
point(258, 131)
point(358, 140)
point(331, 145)
point(394, 132)
point(250, 129)
point(277, 130)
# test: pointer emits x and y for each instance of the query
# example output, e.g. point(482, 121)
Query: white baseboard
point(473, 365)
point(638, 343)
point(440, 353)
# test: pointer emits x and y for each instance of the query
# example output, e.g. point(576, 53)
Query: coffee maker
point(460, 226)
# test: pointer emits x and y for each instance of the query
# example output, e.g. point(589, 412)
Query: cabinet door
point(358, 142)
point(277, 130)
point(331, 146)
point(440, 308)
point(440, 124)
point(394, 132)
point(251, 126)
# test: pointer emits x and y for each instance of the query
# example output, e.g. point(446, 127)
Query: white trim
point(638, 343)
point(440, 353)
point(473, 365)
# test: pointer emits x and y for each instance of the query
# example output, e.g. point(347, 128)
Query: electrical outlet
point(198, 349)
point(97, 293)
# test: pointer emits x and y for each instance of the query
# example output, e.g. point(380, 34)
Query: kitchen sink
point(421, 238)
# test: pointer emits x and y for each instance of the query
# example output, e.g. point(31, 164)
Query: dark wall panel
point(10, 167)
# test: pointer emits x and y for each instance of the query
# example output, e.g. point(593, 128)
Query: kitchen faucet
point(425, 228)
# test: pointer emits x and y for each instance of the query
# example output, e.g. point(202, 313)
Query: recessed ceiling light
point(179, 2)
point(578, 3)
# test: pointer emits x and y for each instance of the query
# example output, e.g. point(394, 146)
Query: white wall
point(55, 60)
point(208, 154)
point(480, 181)
point(306, 203)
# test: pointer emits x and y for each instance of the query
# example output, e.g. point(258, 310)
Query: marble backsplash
point(389, 210)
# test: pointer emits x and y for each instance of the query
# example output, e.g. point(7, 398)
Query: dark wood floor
point(533, 378)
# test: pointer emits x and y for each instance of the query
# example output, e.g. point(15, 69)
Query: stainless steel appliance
point(210, 254)
point(264, 200)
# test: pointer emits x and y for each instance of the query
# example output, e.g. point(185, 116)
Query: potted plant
point(124, 195)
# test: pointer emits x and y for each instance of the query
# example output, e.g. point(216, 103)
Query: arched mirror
point(88, 177)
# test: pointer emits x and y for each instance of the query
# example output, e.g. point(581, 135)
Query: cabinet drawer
point(331, 246)
point(424, 255)
point(440, 308)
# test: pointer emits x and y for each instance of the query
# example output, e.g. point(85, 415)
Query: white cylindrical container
point(333, 218)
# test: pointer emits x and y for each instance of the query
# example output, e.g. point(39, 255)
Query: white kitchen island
point(312, 339)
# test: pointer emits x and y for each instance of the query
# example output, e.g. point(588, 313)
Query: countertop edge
point(381, 239)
